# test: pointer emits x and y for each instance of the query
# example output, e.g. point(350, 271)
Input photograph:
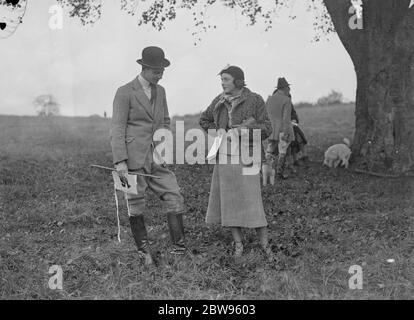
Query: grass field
point(55, 209)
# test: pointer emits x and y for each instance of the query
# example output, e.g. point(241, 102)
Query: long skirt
point(235, 199)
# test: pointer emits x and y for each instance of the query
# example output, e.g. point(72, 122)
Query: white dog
point(338, 154)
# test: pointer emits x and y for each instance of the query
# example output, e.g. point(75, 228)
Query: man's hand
point(122, 170)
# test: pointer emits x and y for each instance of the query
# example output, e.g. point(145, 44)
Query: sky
point(83, 66)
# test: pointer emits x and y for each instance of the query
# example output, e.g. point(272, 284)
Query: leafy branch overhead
point(11, 16)
point(159, 12)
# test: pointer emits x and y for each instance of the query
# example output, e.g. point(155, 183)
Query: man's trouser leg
point(281, 161)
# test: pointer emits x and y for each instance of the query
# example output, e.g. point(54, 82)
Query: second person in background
point(279, 108)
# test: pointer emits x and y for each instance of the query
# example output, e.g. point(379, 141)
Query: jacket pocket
point(129, 139)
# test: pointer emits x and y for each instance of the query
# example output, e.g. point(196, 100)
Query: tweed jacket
point(249, 105)
point(279, 108)
point(134, 122)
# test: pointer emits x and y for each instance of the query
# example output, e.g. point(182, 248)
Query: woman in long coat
point(235, 199)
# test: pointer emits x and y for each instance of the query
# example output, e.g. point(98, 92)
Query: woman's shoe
point(238, 251)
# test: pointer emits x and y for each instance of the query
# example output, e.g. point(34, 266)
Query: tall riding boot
point(281, 161)
point(176, 226)
point(140, 235)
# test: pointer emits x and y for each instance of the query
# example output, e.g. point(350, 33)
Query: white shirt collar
point(144, 82)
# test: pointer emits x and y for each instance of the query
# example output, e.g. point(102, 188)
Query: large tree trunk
point(383, 56)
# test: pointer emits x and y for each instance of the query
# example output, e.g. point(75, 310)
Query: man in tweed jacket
point(279, 108)
point(139, 110)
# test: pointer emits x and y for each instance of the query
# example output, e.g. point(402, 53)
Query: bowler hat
point(153, 57)
point(282, 83)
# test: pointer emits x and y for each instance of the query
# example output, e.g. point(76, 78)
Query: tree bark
point(383, 57)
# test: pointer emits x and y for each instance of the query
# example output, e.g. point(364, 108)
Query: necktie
point(153, 94)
